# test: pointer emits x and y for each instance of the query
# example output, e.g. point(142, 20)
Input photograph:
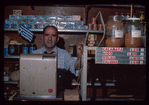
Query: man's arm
point(79, 53)
point(78, 64)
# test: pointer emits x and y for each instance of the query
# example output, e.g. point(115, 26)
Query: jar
point(11, 48)
point(72, 49)
point(15, 48)
point(19, 48)
point(25, 48)
point(133, 32)
point(32, 47)
point(114, 32)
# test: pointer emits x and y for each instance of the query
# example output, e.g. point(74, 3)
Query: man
point(65, 60)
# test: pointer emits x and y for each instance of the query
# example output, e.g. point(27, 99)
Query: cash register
point(39, 76)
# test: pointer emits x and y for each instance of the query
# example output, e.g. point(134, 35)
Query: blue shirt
point(65, 60)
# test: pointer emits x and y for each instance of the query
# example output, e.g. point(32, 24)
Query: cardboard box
point(17, 12)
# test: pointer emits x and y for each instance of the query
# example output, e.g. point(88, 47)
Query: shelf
point(65, 30)
point(95, 84)
point(17, 57)
point(10, 56)
point(116, 5)
point(10, 82)
point(92, 5)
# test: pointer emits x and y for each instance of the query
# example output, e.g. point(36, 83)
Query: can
point(93, 20)
point(90, 27)
point(32, 47)
point(25, 48)
point(72, 49)
point(94, 26)
point(14, 48)
point(100, 27)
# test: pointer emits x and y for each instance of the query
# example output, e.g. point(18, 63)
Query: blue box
point(5, 51)
point(6, 25)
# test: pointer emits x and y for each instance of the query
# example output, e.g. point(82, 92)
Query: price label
point(134, 62)
point(118, 33)
point(136, 33)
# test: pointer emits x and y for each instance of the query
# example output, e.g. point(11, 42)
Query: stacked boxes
point(41, 21)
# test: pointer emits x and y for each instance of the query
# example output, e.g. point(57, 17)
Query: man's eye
point(53, 35)
point(46, 34)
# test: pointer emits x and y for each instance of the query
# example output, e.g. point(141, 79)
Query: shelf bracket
point(33, 7)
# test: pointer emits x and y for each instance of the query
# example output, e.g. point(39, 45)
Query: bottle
point(134, 15)
point(127, 16)
point(72, 49)
point(116, 13)
point(123, 17)
point(142, 16)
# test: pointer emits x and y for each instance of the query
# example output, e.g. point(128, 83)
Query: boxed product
point(34, 17)
point(51, 17)
point(79, 22)
point(68, 18)
point(75, 27)
point(61, 18)
point(69, 26)
point(17, 12)
point(71, 22)
point(61, 27)
point(14, 26)
point(76, 17)
point(6, 25)
point(82, 27)
point(28, 17)
point(38, 16)
point(11, 17)
point(63, 22)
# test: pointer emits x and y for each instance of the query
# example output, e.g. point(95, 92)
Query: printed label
point(71, 50)
point(136, 33)
point(111, 49)
point(118, 33)
point(134, 62)
point(134, 58)
point(131, 54)
point(134, 49)
point(108, 57)
point(12, 49)
point(110, 61)
point(32, 49)
point(107, 53)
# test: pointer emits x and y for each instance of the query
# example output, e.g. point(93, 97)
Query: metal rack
point(83, 91)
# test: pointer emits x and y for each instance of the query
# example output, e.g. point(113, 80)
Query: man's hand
point(79, 49)
point(79, 53)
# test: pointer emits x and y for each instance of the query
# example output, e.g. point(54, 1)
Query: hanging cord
point(102, 25)
point(79, 79)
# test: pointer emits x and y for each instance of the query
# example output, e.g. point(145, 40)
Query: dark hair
point(51, 27)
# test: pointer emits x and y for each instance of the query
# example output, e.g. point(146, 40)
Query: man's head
point(50, 37)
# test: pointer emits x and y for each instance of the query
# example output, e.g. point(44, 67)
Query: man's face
point(50, 38)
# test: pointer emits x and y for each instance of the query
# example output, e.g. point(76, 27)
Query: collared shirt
point(65, 60)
